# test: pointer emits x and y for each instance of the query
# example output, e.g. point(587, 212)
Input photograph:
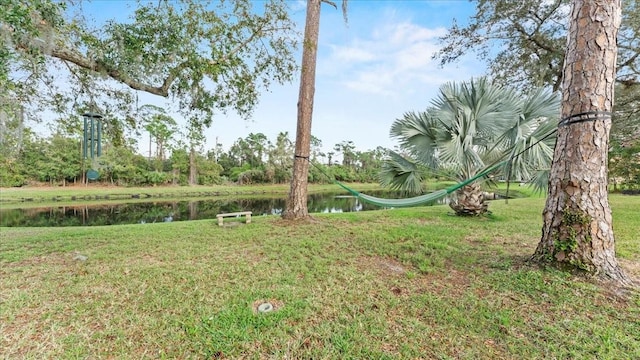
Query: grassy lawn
point(410, 283)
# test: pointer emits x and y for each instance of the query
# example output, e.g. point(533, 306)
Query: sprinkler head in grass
point(80, 257)
point(265, 307)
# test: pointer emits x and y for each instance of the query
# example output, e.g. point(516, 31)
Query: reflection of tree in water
point(160, 211)
point(193, 210)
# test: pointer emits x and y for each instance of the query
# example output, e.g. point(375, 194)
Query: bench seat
point(246, 214)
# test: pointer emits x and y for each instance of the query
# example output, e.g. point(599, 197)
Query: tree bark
point(469, 201)
point(577, 232)
point(193, 167)
point(296, 205)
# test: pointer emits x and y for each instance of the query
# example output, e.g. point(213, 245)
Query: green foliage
point(401, 173)
point(208, 172)
point(161, 128)
point(568, 235)
point(471, 126)
point(54, 160)
point(180, 160)
point(235, 172)
point(252, 160)
point(64, 159)
point(624, 166)
point(11, 173)
point(206, 56)
point(156, 178)
point(530, 38)
point(121, 166)
point(252, 176)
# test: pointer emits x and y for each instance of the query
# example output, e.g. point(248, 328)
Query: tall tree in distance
point(577, 230)
point(296, 205)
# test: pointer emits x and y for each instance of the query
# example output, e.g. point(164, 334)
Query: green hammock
point(418, 200)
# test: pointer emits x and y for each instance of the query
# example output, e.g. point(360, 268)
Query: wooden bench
point(235, 214)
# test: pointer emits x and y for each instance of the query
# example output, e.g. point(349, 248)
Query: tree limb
point(99, 67)
point(532, 38)
point(71, 56)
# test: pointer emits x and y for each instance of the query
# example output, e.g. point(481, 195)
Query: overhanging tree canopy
point(204, 56)
point(523, 42)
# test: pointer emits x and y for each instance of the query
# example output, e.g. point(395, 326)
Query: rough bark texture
point(469, 201)
point(193, 168)
point(296, 205)
point(577, 229)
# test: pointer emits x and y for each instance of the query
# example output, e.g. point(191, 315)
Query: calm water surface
point(168, 211)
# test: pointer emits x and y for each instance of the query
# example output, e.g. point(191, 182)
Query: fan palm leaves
point(471, 126)
point(400, 173)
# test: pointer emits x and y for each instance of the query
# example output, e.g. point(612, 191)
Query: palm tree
point(468, 128)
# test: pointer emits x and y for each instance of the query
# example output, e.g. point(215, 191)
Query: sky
point(370, 71)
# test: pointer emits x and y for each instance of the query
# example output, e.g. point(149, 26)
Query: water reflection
point(163, 211)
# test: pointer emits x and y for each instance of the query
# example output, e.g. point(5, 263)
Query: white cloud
point(298, 5)
point(391, 60)
point(415, 57)
point(352, 54)
point(371, 81)
point(408, 33)
point(386, 62)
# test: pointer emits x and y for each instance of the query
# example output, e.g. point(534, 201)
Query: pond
point(168, 211)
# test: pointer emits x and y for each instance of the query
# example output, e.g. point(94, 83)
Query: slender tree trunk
point(577, 230)
point(193, 169)
point(296, 205)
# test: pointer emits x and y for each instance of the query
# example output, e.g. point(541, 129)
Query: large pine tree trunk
point(577, 229)
point(296, 205)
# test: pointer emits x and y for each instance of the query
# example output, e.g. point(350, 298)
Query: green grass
point(410, 283)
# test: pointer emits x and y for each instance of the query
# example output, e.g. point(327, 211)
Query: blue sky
point(369, 72)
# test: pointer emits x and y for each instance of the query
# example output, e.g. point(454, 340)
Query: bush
point(156, 178)
point(12, 180)
point(251, 177)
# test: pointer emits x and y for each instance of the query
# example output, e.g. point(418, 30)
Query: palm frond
point(418, 133)
point(400, 173)
point(540, 180)
point(541, 103)
point(474, 124)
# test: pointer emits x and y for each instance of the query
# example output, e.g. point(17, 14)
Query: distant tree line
point(27, 158)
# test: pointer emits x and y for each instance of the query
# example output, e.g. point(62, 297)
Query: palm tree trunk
point(469, 201)
point(577, 229)
point(296, 205)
